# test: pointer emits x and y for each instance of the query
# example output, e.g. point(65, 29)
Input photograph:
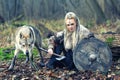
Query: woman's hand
point(50, 51)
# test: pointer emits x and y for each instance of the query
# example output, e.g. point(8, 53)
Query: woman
point(66, 41)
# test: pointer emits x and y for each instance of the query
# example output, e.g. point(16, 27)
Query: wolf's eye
point(23, 45)
point(29, 45)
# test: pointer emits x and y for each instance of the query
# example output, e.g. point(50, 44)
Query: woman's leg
point(69, 60)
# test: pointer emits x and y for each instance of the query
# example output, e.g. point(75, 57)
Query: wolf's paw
point(42, 64)
point(26, 62)
point(10, 68)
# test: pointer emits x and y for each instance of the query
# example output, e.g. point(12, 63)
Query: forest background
point(100, 16)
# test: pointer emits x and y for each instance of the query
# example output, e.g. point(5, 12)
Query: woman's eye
point(70, 24)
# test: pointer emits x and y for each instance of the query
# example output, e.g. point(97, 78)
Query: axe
point(60, 57)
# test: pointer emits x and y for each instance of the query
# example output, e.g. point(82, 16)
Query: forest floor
point(22, 71)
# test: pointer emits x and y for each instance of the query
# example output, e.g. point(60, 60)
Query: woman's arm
point(53, 40)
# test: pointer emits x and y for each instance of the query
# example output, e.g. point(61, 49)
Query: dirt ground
point(23, 71)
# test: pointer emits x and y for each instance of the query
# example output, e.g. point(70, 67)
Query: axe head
point(60, 58)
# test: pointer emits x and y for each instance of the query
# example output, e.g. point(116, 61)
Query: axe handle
point(47, 52)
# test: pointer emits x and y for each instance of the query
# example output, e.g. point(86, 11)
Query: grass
point(5, 56)
point(9, 55)
point(54, 25)
point(109, 40)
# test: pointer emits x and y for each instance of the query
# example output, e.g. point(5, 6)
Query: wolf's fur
point(26, 38)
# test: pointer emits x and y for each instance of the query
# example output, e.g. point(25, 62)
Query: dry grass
point(7, 29)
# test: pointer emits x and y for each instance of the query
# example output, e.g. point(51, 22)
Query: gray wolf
point(26, 37)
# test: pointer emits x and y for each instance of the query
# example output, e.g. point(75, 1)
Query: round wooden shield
point(92, 54)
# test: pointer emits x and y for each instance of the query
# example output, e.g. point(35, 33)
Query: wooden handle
point(47, 52)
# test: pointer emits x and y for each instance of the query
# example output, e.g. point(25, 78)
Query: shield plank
point(92, 54)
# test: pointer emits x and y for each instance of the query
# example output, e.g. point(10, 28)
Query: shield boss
point(92, 54)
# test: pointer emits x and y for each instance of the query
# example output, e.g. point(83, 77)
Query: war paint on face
point(71, 25)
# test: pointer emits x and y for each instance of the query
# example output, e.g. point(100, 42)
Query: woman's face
point(70, 25)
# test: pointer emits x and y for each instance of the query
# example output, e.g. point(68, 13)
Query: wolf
point(26, 37)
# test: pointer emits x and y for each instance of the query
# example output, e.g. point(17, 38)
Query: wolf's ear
point(21, 36)
point(32, 42)
point(30, 35)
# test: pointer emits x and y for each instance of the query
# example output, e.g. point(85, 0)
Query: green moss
point(110, 40)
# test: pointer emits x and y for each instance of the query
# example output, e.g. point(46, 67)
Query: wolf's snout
point(27, 53)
